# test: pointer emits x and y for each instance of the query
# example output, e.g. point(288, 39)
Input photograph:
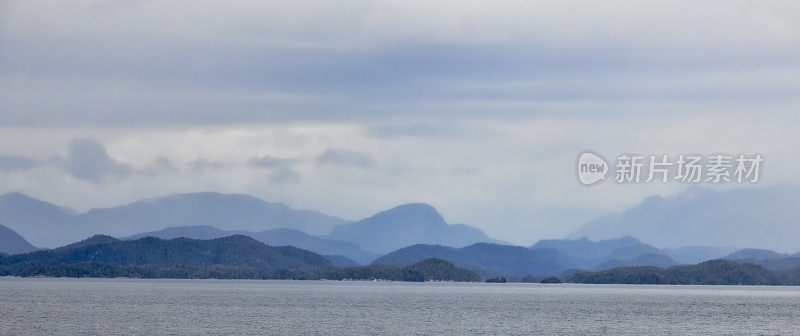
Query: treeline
point(712, 272)
point(426, 270)
point(235, 250)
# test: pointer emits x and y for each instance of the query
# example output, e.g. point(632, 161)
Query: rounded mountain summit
point(404, 225)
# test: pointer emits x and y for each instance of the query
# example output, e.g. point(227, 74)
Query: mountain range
point(710, 222)
point(274, 237)
point(48, 225)
point(766, 217)
point(212, 215)
point(232, 257)
point(548, 257)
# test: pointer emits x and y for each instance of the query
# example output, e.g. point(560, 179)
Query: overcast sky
point(479, 108)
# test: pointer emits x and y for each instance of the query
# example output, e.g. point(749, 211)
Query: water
point(129, 306)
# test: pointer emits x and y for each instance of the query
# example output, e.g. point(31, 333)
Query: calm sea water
point(128, 306)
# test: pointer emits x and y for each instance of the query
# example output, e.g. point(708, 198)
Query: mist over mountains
point(697, 225)
point(48, 225)
point(766, 218)
point(213, 215)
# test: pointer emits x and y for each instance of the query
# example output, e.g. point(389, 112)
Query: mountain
point(757, 217)
point(93, 240)
point(647, 259)
point(441, 270)
point(341, 261)
point(713, 272)
point(586, 249)
point(275, 237)
point(192, 232)
point(755, 254)
point(230, 251)
point(43, 223)
point(782, 264)
point(632, 252)
point(487, 259)
point(406, 225)
point(48, 225)
point(610, 253)
point(12, 243)
point(225, 211)
point(769, 259)
point(697, 254)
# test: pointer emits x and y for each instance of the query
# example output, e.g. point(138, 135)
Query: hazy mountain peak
point(12, 243)
point(404, 225)
point(755, 254)
point(584, 248)
point(20, 200)
point(759, 217)
point(410, 213)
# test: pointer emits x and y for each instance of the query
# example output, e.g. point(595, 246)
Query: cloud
point(284, 175)
point(344, 158)
point(385, 61)
point(415, 130)
point(267, 161)
point(17, 162)
point(160, 166)
point(88, 159)
point(203, 164)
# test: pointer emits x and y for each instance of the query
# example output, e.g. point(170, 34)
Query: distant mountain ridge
point(405, 225)
point(12, 243)
point(487, 259)
point(755, 217)
point(755, 254)
point(274, 237)
point(586, 249)
point(48, 225)
point(545, 258)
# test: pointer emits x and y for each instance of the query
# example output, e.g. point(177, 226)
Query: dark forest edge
point(712, 272)
point(426, 270)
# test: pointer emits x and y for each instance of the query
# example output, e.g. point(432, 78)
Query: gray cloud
point(267, 161)
point(284, 175)
point(203, 164)
point(17, 162)
point(417, 130)
point(344, 157)
point(87, 159)
point(160, 166)
point(302, 64)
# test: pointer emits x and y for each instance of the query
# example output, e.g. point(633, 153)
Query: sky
point(479, 108)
